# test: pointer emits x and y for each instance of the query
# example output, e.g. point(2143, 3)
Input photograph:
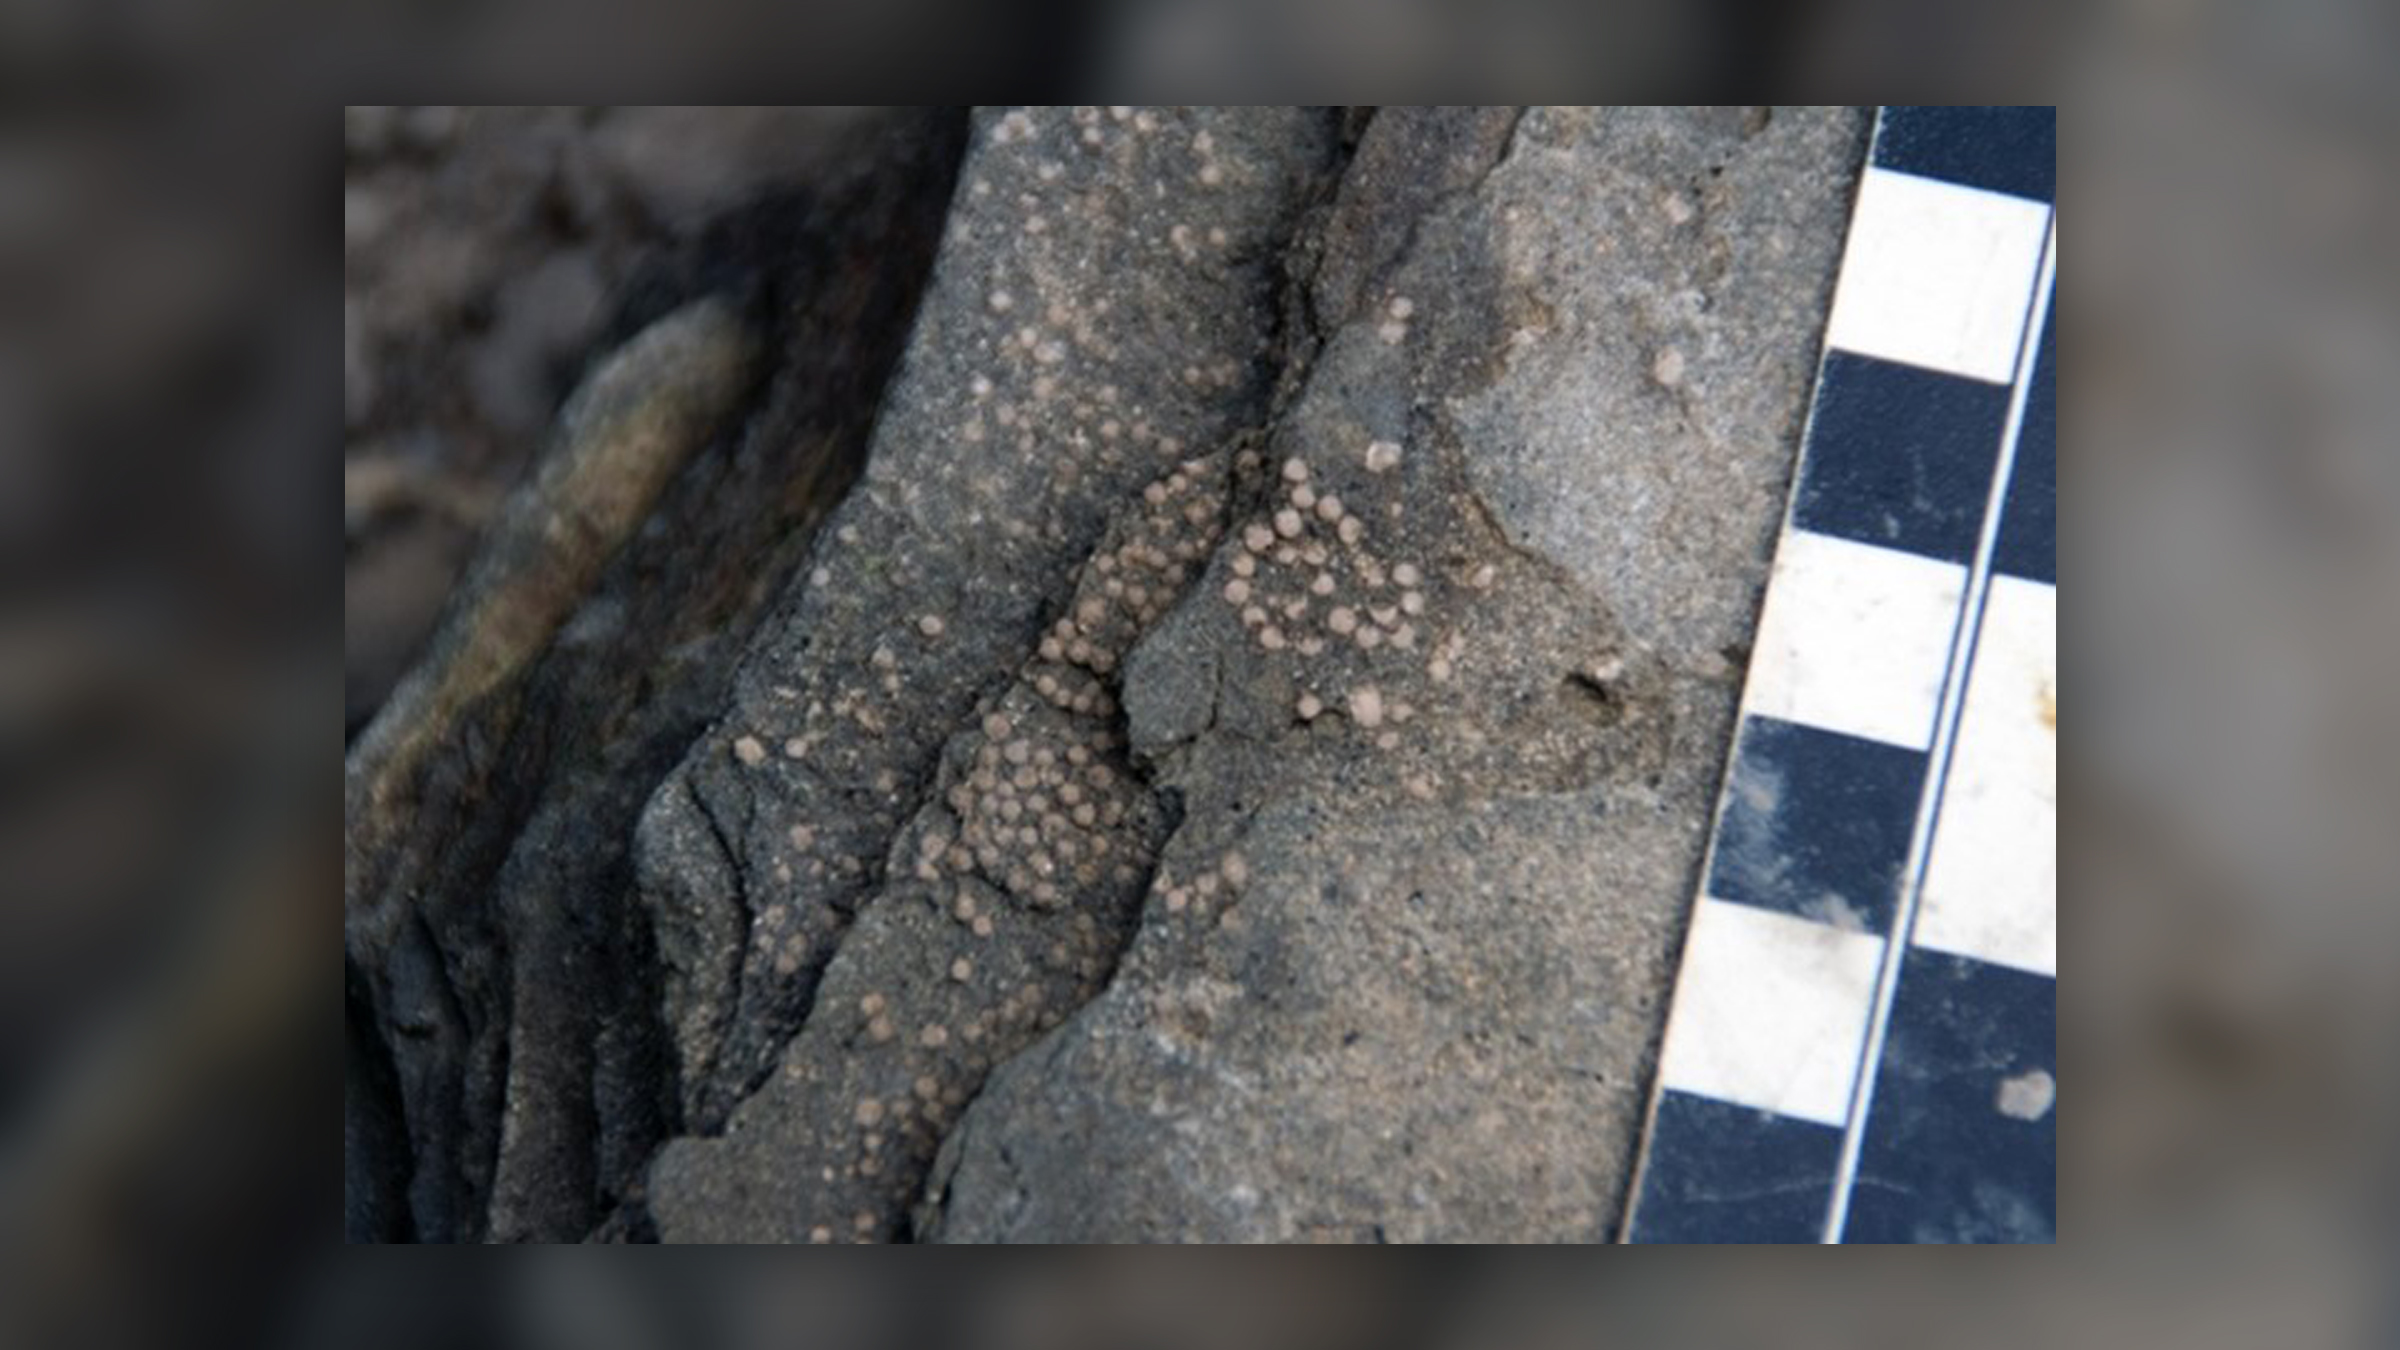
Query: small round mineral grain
point(1366, 706)
point(1271, 638)
point(1382, 456)
point(930, 625)
point(1329, 507)
point(1310, 706)
point(749, 750)
point(1350, 529)
point(1295, 470)
point(870, 1111)
point(1304, 496)
point(1406, 574)
point(1401, 307)
point(1668, 368)
point(1237, 591)
point(1341, 619)
point(1322, 584)
point(961, 969)
point(1257, 538)
point(1236, 871)
point(1287, 522)
point(934, 1037)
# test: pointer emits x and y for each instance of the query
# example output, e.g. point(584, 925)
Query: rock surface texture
point(1235, 765)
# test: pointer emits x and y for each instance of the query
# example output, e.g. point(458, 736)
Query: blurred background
point(168, 1166)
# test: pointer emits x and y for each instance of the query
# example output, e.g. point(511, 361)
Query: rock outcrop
point(1235, 765)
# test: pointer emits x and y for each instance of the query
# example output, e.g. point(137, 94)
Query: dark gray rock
point(1468, 800)
point(503, 999)
point(1103, 309)
point(1233, 767)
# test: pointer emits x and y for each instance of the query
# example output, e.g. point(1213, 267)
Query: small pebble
point(1366, 706)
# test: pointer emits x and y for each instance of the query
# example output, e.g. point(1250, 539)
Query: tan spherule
point(1236, 870)
point(1406, 574)
point(1271, 638)
point(1310, 706)
point(1322, 584)
point(1351, 529)
point(1366, 706)
point(1237, 591)
point(1304, 496)
point(983, 925)
point(934, 1037)
point(1287, 523)
point(1382, 456)
point(1342, 620)
point(1295, 470)
point(930, 625)
point(748, 750)
point(1329, 507)
point(962, 969)
point(1412, 602)
point(1668, 368)
point(871, 1004)
point(869, 1112)
point(1258, 538)
point(1253, 616)
point(1244, 565)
